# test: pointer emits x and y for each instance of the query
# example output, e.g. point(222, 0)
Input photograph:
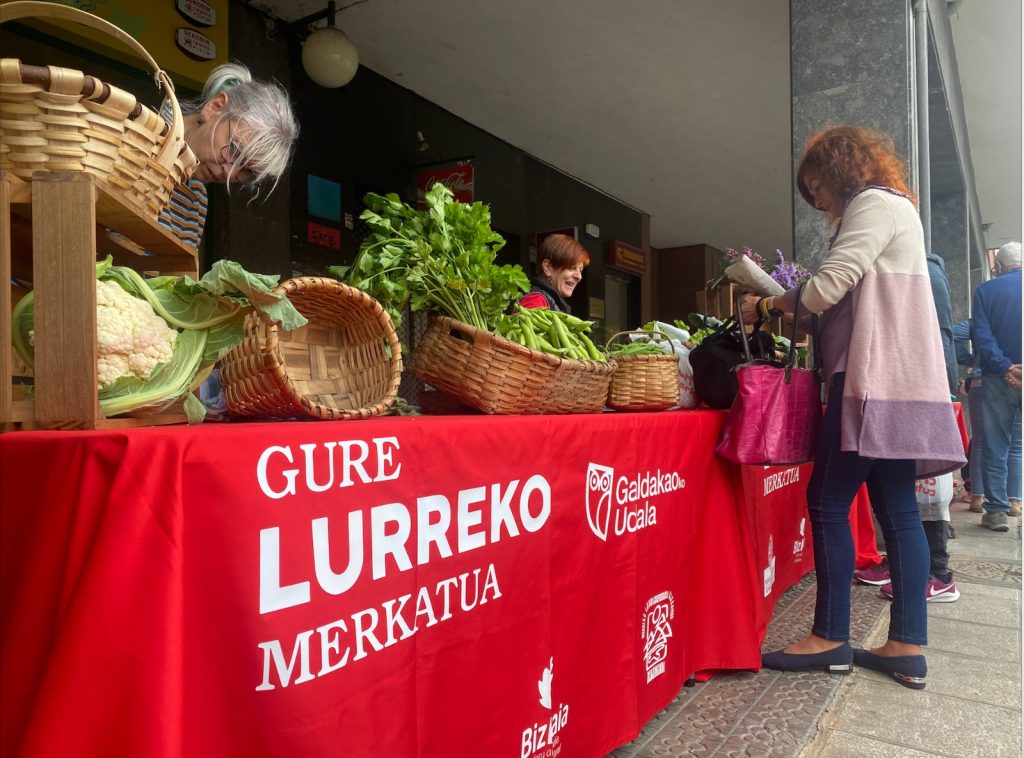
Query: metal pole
point(923, 145)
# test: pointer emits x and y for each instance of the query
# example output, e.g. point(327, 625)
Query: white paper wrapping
point(747, 273)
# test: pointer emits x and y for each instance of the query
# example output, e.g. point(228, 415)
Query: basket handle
point(648, 332)
point(32, 8)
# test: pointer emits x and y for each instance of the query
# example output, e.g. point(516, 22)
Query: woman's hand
point(749, 308)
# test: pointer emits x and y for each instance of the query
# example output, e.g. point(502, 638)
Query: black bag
point(713, 360)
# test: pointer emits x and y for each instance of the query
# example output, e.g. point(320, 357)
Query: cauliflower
point(131, 339)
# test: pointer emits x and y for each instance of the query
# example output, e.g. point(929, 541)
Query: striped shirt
point(185, 212)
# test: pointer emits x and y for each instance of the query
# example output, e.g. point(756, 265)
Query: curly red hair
point(848, 158)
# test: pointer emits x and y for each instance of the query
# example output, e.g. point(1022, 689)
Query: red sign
point(325, 236)
point(458, 177)
point(627, 257)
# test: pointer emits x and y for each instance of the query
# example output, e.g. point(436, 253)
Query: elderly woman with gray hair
point(242, 131)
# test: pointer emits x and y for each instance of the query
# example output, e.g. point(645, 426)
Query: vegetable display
point(157, 339)
point(440, 259)
point(621, 350)
point(550, 332)
point(700, 326)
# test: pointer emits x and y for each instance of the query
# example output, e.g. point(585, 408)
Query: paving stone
point(843, 745)
point(929, 722)
point(967, 569)
point(981, 640)
point(992, 681)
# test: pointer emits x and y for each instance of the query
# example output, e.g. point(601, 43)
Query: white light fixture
point(328, 55)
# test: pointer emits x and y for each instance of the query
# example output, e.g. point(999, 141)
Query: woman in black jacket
point(560, 263)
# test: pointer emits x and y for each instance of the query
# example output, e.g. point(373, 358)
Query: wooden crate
point(53, 229)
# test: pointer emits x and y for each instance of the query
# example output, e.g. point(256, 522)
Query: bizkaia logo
point(624, 504)
point(542, 740)
point(798, 545)
point(769, 572)
point(656, 631)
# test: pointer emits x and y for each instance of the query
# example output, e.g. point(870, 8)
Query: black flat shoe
point(908, 670)
point(835, 661)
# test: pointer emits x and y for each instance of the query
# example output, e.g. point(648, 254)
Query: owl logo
point(599, 498)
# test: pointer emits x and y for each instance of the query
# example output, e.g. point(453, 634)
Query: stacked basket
point(59, 119)
point(345, 364)
point(496, 375)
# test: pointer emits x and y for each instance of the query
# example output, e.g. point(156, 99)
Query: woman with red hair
point(560, 262)
point(888, 419)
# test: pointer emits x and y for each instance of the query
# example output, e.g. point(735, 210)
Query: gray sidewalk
point(971, 706)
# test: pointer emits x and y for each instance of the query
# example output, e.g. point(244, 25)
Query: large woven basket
point(644, 382)
point(496, 375)
point(59, 119)
point(345, 364)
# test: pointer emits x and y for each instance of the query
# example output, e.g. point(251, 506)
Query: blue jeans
point(836, 477)
point(1000, 422)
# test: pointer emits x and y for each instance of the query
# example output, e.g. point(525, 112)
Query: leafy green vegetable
point(440, 259)
point(209, 314)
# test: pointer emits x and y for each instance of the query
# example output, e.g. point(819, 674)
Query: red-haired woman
point(560, 262)
point(888, 419)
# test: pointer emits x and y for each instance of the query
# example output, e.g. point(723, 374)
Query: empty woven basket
point(345, 364)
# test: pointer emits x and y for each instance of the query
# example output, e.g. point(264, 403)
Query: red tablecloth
point(408, 586)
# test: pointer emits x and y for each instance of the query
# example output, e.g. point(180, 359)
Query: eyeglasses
point(231, 154)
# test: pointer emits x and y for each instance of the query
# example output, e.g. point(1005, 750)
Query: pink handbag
point(775, 417)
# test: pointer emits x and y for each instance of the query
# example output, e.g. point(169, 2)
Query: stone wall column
point(851, 63)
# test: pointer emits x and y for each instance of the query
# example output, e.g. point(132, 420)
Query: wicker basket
point(496, 375)
point(345, 364)
point(645, 382)
point(59, 119)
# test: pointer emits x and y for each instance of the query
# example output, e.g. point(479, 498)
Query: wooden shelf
point(120, 228)
point(52, 230)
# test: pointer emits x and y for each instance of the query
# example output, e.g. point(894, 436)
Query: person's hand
point(749, 308)
point(1013, 376)
point(961, 388)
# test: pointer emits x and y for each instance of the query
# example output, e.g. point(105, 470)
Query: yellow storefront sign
point(187, 38)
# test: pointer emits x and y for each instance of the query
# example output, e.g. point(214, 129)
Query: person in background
point(996, 333)
point(560, 263)
point(944, 312)
point(970, 388)
point(889, 420)
point(242, 131)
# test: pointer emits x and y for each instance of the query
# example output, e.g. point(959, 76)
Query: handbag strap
point(791, 357)
point(743, 330)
